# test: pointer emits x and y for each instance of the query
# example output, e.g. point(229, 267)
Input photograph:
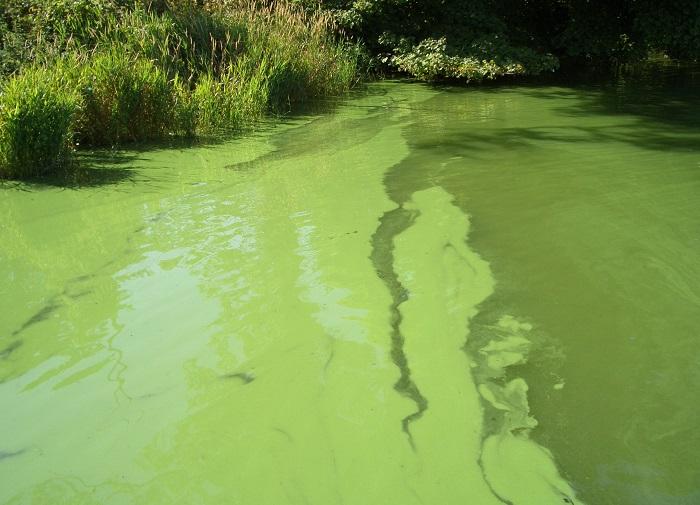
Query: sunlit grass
point(138, 74)
point(37, 115)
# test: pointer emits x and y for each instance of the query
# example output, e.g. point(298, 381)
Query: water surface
point(423, 296)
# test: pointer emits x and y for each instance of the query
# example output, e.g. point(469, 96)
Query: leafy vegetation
point(131, 70)
point(36, 121)
point(136, 72)
point(475, 40)
point(124, 98)
point(430, 61)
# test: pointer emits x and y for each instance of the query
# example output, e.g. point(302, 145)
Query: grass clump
point(240, 95)
point(177, 67)
point(36, 124)
point(124, 99)
point(304, 60)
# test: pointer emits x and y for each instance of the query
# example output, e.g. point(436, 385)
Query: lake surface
point(424, 296)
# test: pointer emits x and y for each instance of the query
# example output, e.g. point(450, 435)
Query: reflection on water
point(283, 318)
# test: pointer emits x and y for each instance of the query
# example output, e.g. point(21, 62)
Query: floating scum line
point(437, 284)
point(391, 224)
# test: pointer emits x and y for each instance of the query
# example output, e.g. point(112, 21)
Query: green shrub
point(184, 110)
point(248, 84)
point(303, 60)
point(128, 72)
point(82, 20)
point(211, 106)
point(36, 120)
point(125, 99)
point(283, 56)
point(236, 98)
point(183, 42)
point(430, 60)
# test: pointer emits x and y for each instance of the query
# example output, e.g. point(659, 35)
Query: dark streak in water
point(245, 377)
point(5, 353)
point(285, 434)
point(55, 303)
point(79, 294)
point(81, 278)
point(43, 314)
point(415, 495)
point(331, 355)
point(465, 261)
point(483, 473)
point(11, 454)
point(391, 224)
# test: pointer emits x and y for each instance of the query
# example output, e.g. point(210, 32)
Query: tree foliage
point(484, 39)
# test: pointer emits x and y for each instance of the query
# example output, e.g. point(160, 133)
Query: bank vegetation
point(108, 72)
point(104, 73)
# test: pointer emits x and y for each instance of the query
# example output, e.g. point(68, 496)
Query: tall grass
point(124, 98)
point(237, 97)
point(138, 73)
point(305, 60)
point(36, 120)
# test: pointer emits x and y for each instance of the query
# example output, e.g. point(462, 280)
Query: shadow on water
point(323, 130)
point(662, 100)
point(668, 95)
point(647, 136)
point(518, 156)
point(104, 167)
point(665, 101)
point(90, 169)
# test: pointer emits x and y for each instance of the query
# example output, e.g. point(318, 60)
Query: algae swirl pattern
point(437, 284)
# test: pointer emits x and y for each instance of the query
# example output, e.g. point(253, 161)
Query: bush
point(431, 61)
point(302, 58)
point(81, 20)
point(125, 99)
point(176, 67)
point(36, 124)
point(185, 42)
point(228, 102)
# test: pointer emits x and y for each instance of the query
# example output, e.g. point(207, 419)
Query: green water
point(423, 296)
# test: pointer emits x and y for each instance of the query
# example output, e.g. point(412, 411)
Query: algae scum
point(477, 296)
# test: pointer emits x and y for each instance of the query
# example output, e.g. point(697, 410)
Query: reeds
point(36, 124)
point(184, 70)
point(125, 98)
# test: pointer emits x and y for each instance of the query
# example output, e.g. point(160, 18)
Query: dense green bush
point(184, 42)
point(81, 20)
point(174, 68)
point(517, 36)
point(302, 58)
point(430, 61)
point(219, 104)
point(36, 118)
point(672, 27)
point(15, 26)
point(125, 98)
point(466, 40)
